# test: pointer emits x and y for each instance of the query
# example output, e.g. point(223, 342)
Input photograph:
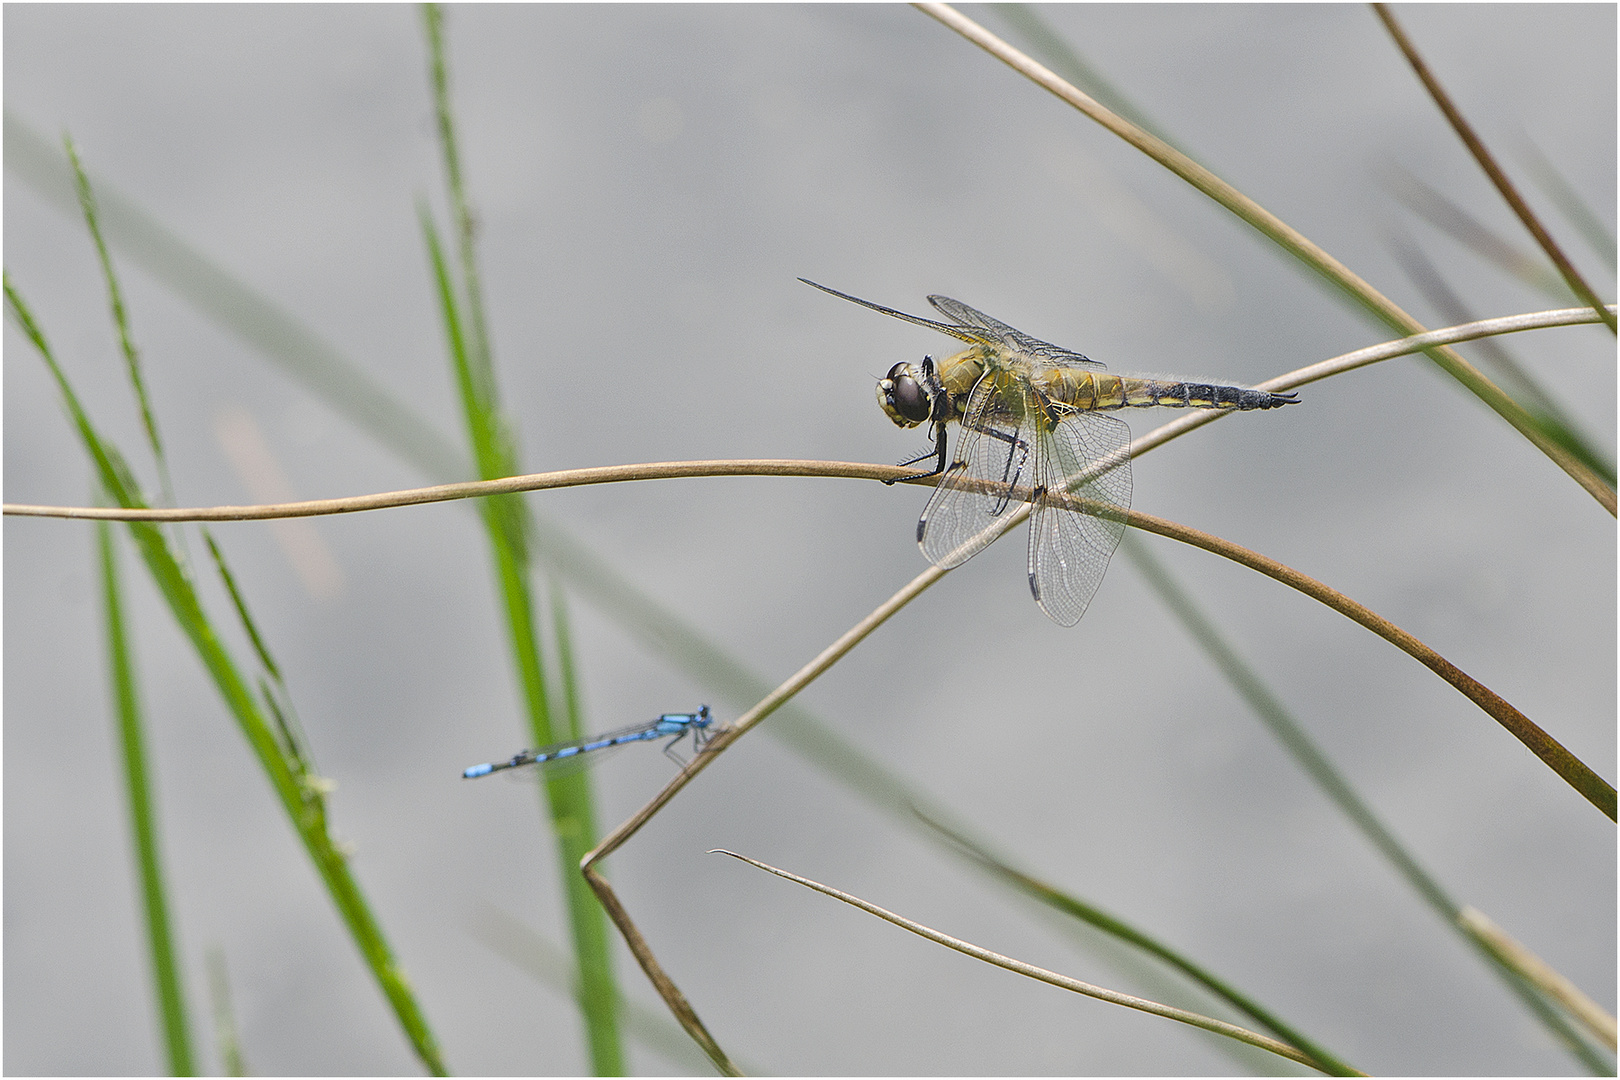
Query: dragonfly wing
point(964, 333)
point(1016, 340)
point(968, 316)
point(1087, 454)
point(992, 473)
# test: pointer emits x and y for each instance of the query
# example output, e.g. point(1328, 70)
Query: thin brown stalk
point(678, 1005)
point(475, 489)
point(1169, 1012)
point(1574, 771)
point(1476, 146)
point(1284, 235)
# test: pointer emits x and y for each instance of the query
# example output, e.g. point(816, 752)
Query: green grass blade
point(568, 796)
point(277, 698)
point(480, 353)
point(225, 1037)
point(115, 298)
point(1293, 737)
point(237, 602)
point(143, 816)
point(1118, 928)
point(304, 803)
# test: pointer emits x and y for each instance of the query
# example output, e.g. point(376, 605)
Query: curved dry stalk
point(1575, 772)
point(1476, 146)
point(678, 1005)
point(475, 489)
point(1285, 236)
point(1114, 997)
point(615, 474)
point(610, 474)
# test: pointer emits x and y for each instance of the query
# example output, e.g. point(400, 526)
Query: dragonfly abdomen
point(1099, 390)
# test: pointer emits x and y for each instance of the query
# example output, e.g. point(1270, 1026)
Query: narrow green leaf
point(241, 607)
point(568, 795)
point(166, 966)
point(115, 297)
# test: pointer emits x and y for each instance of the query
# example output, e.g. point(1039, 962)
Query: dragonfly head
point(905, 394)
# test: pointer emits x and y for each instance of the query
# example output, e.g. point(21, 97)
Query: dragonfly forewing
point(1086, 457)
point(994, 471)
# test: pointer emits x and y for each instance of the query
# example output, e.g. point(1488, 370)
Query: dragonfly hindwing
point(1087, 455)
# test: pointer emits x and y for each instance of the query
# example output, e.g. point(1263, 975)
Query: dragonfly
point(1034, 428)
point(676, 726)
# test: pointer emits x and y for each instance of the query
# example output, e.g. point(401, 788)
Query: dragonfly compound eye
point(903, 397)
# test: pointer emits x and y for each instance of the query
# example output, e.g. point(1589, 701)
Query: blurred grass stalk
point(225, 1035)
point(166, 965)
point(494, 446)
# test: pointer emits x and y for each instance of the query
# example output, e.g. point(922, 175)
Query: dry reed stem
point(1534, 968)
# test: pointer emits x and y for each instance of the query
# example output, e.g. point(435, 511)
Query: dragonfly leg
point(1017, 449)
point(937, 453)
point(939, 411)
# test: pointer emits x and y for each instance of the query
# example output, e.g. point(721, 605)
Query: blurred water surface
point(649, 182)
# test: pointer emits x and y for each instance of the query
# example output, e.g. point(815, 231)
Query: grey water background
point(649, 182)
